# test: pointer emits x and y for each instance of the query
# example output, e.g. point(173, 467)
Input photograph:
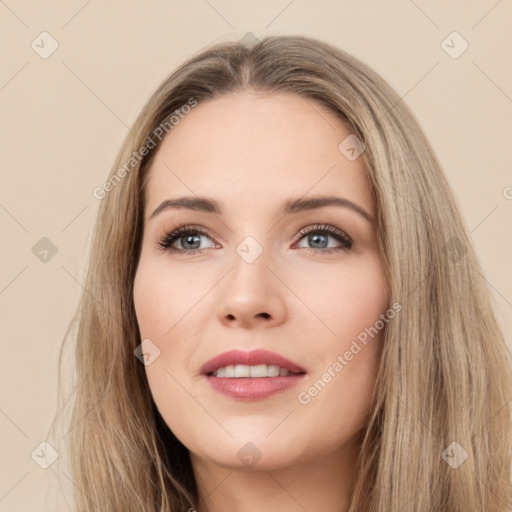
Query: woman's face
point(261, 277)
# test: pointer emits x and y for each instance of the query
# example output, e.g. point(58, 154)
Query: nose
point(252, 295)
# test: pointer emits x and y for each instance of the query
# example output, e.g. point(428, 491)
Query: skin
point(250, 151)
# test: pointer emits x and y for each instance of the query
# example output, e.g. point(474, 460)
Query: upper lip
point(252, 358)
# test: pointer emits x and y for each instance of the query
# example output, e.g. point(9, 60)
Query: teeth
point(259, 370)
point(241, 371)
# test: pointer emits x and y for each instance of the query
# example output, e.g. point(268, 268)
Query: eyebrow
point(290, 206)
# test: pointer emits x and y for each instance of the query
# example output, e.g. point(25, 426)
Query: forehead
point(251, 148)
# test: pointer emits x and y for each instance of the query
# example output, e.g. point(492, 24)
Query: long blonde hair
point(445, 378)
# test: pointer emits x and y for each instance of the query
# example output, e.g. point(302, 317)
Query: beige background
point(64, 117)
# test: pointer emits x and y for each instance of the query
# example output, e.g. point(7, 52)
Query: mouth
point(251, 375)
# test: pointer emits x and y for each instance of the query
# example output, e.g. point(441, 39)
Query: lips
point(252, 388)
point(252, 358)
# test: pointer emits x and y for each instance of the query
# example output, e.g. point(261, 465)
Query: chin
point(253, 452)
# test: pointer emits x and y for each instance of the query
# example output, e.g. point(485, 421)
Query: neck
point(322, 484)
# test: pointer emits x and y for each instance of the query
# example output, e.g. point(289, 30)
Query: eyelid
point(326, 228)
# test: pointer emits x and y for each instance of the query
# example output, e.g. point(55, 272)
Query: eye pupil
point(314, 239)
point(192, 237)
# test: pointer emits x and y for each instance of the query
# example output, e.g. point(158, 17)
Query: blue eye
point(319, 234)
point(189, 237)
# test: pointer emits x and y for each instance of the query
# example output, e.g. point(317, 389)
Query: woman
point(283, 308)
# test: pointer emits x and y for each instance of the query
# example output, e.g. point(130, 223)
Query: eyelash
point(165, 243)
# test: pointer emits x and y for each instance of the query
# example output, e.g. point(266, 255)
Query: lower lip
point(245, 388)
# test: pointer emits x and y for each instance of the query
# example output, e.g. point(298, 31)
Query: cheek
point(350, 309)
point(161, 298)
point(146, 289)
point(169, 313)
point(159, 305)
point(345, 301)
